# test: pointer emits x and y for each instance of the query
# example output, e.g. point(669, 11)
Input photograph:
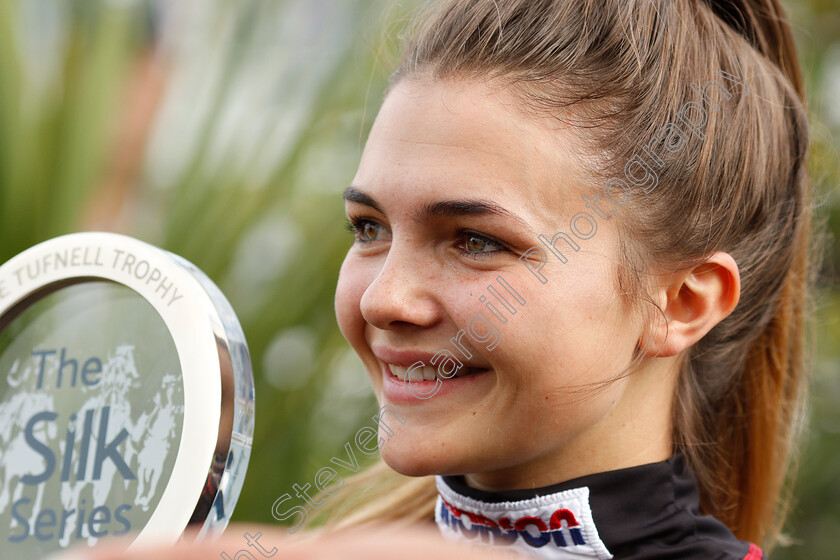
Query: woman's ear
point(692, 301)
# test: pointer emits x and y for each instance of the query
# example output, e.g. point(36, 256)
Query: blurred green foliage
point(225, 131)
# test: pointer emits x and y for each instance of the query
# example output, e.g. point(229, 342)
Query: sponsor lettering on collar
point(554, 526)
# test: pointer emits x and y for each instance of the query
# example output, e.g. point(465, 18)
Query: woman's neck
point(637, 430)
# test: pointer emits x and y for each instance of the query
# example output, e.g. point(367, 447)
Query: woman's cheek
point(350, 288)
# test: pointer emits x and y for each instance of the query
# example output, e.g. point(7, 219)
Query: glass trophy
point(126, 397)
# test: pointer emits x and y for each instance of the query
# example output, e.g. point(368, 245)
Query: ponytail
point(746, 463)
point(743, 451)
point(764, 25)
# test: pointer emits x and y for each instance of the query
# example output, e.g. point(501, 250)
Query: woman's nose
point(402, 293)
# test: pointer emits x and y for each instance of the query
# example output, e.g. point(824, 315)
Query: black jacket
point(648, 512)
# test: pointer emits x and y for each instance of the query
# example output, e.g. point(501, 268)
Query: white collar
point(554, 526)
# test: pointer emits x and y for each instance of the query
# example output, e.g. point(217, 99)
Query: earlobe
point(693, 301)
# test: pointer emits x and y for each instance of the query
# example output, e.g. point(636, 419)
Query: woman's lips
point(428, 373)
point(398, 390)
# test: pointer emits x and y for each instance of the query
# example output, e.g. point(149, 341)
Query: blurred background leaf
point(224, 131)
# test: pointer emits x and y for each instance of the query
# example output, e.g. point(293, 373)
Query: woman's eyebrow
point(353, 194)
point(448, 208)
point(454, 208)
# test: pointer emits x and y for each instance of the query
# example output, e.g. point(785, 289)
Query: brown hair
point(627, 66)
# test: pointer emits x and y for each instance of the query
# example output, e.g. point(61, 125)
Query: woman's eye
point(476, 245)
point(365, 230)
point(472, 244)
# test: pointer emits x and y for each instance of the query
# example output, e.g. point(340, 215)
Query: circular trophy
point(126, 397)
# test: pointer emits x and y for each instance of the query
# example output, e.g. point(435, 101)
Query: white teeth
point(398, 371)
point(425, 373)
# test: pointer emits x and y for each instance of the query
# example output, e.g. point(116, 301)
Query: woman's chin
point(414, 462)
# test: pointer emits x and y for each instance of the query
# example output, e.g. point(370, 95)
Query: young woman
point(579, 279)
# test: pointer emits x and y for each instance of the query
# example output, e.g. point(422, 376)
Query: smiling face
point(453, 187)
